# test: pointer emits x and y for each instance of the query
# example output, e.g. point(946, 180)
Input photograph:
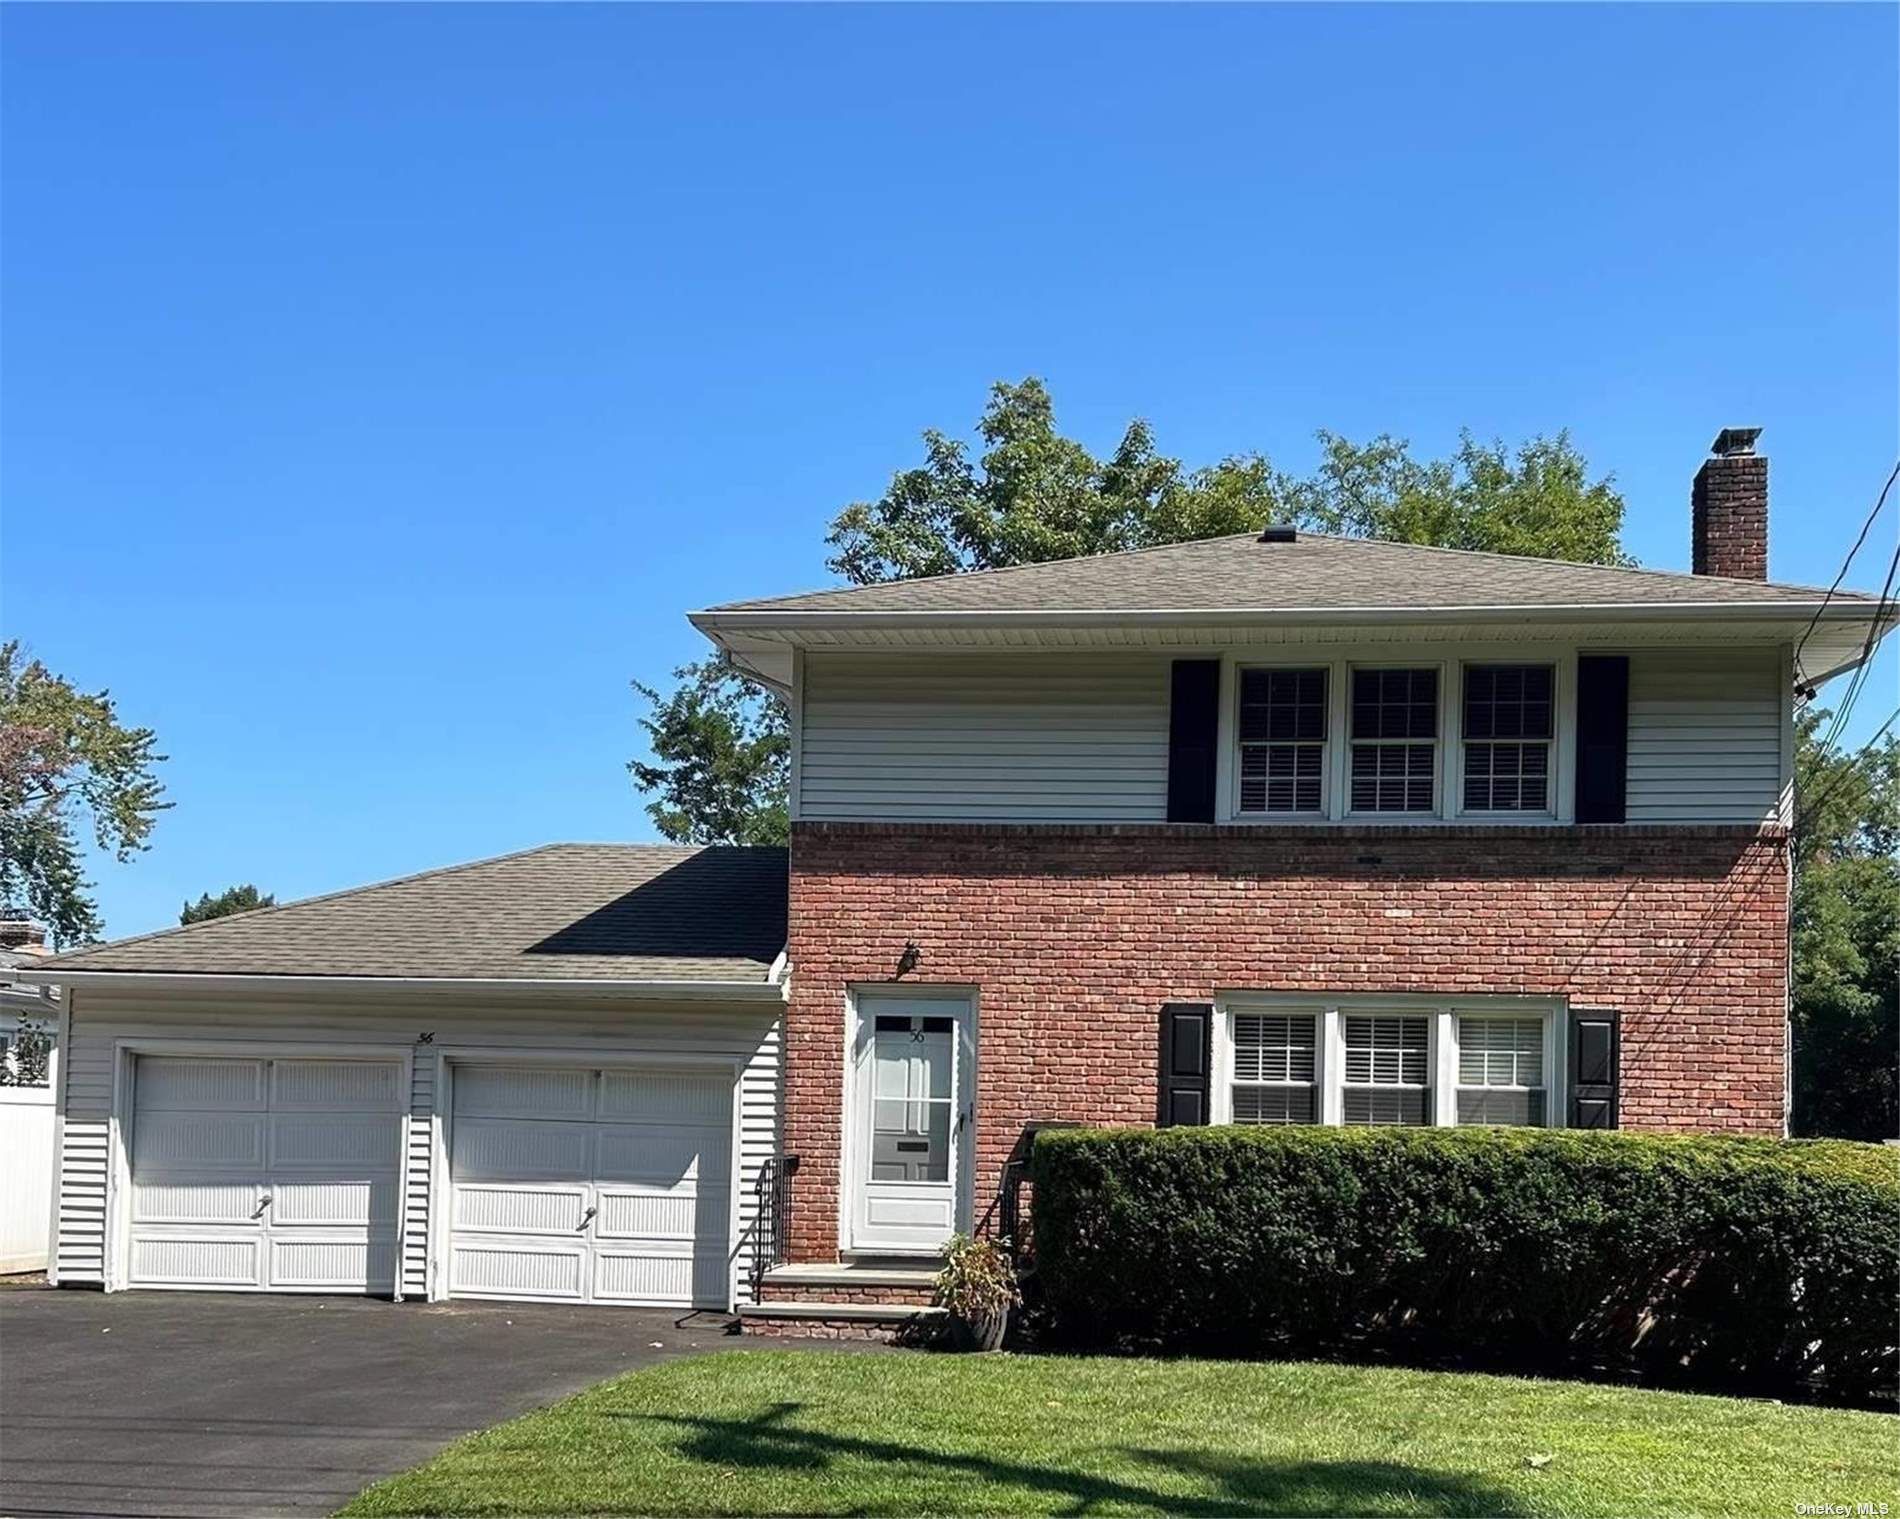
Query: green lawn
point(825, 1432)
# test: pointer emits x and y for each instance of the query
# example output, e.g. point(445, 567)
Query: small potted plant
point(978, 1286)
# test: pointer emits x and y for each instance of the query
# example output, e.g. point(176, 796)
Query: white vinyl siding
point(1083, 737)
point(608, 1031)
point(1003, 737)
point(1705, 735)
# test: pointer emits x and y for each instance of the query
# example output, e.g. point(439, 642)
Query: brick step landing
point(866, 1298)
point(855, 1320)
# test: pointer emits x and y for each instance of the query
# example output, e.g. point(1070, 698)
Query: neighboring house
point(1260, 829)
point(29, 1067)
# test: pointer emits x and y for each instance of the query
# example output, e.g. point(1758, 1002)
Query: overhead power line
point(1849, 768)
point(1865, 527)
point(1883, 616)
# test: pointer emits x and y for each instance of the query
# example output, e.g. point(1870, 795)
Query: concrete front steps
point(849, 1300)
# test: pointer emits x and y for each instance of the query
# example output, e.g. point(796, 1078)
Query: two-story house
point(1263, 829)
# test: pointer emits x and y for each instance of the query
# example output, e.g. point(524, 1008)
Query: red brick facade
point(1729, 517)
point(1076, 935)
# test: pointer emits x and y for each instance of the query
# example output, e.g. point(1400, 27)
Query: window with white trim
point(1276, 1068)
point(1389, 1059)
point(1501, 1077)
point(1282, 731)
point(1394, 741)
point(1387, 1078)
point(1508, 714)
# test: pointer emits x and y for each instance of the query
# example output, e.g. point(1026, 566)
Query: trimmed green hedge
point(1764, 1265)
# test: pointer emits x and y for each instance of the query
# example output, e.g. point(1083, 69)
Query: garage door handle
point(262, 1204)
point(586, 1218)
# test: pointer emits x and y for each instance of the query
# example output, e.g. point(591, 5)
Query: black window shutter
point(1193, 726)
point(1187, 1063)
point(1603, 725)
point(1596, 1054)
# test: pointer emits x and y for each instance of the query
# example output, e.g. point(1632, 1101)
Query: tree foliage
point(65, 759)
point(1032, 495)
point(231, 899)
point(28, 1061)
point(1846, 932)
point(720, 758)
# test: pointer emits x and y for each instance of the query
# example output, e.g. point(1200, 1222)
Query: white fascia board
point(549, 988)
point(714, 624)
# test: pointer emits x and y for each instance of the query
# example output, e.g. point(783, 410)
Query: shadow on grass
point(1233, 1484)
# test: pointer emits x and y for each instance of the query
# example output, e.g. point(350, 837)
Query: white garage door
point(265, 1175)
point(591, 1186)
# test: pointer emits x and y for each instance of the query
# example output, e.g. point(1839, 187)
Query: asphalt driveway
point(229, 1404)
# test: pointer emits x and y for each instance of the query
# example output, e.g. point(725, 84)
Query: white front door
point(585, 1185)
point(265, 1175)
point(913, 1067)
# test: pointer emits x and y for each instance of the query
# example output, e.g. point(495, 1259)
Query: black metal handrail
point(771, 1217)
point(1003, 1219)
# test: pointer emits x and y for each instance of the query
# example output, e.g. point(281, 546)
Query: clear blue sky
point(381, 385)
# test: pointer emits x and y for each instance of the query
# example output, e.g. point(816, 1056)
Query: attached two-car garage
point(487, 1082)
point(608, 1184)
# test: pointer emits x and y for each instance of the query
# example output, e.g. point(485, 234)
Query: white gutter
point(741, 621)
point(672, 991)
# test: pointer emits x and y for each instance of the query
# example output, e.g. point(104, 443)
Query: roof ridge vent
point(1279, 532)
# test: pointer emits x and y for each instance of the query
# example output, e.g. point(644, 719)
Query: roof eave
point(714, 621)
point(544, 987)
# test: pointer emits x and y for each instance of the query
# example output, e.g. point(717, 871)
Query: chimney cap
point(1735, 440)
point(1279, 532)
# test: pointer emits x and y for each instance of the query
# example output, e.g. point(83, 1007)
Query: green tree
point(1846, 938)
point(1033, 495)
point(64, 759)
point(231, 899)
point(720, 758)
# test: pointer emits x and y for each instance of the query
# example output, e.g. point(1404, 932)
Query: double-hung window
point(1387, 1076)
point(1389, 1059)
point(1276, 1068)
point(1283, 742)
point(1507, 737)
point(1501, 1077)
point(1394, 741)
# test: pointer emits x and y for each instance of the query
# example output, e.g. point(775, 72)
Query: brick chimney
point(22, 936)
point(1729, 508)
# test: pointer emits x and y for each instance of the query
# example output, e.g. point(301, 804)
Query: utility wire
point(1848, 770)
point(1865, 528)
point(1883, 612)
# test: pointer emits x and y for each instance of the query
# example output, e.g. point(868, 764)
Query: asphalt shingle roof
point(641, 912)
point(1315, 572)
